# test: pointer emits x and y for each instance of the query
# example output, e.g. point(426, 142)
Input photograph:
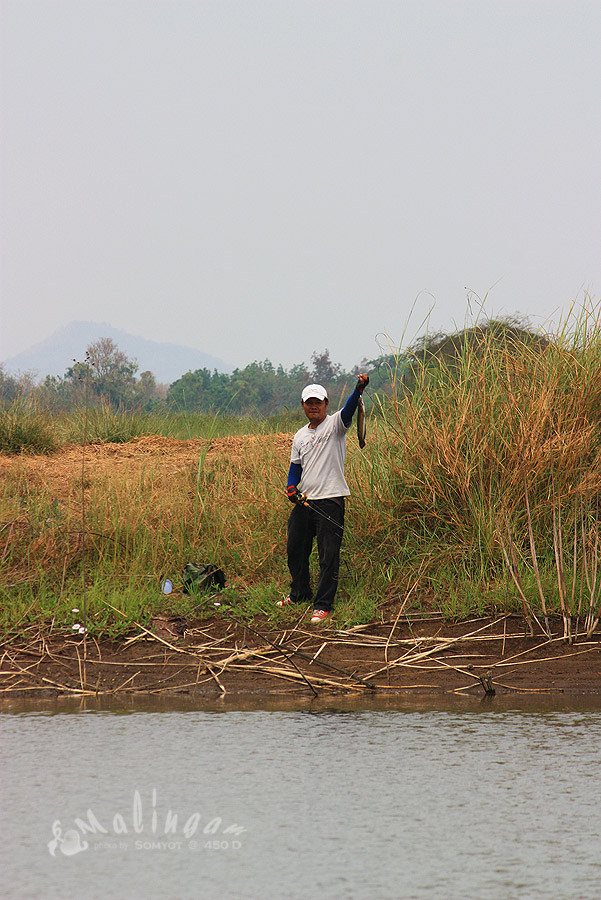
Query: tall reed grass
point(494, 439)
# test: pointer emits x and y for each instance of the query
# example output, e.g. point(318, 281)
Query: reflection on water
point(136, 703)
point(404, 798)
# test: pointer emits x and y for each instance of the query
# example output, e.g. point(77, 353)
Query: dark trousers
point(304, 524)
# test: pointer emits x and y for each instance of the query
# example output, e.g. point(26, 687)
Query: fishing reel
point(296, 496)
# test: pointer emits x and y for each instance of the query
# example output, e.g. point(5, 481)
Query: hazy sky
point(264, 179)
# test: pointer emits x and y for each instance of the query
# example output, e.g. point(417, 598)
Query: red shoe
point(319, 615)
point(285, 601)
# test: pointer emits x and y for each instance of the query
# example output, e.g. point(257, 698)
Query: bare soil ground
point(60, 473)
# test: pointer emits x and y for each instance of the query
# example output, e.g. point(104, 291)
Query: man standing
point(317, 487)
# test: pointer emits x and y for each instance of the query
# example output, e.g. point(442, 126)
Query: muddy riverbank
point(217, 656)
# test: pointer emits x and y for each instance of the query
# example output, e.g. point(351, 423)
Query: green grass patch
point(26, 428)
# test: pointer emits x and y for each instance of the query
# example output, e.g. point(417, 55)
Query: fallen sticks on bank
point(284, 647)
point(234, 656)
point(409, 658)
point(57, 685)
point(283, 651)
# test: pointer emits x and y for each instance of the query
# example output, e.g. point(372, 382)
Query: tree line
point(108, 376)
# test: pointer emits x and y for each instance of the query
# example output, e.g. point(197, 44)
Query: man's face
point(315, 410)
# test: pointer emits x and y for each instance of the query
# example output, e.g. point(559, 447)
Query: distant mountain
point(167, 362)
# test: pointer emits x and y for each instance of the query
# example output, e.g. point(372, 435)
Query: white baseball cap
point(314, 390)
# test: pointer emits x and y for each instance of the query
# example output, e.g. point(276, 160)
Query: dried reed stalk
point(558, 550)
point(401, 608)
point(512, 566)
point(590, 570)
point(295, 675)
point(534, 557)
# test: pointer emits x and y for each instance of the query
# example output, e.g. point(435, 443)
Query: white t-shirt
point(321, 452)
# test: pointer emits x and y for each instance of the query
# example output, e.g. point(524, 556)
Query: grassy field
point(478, 491)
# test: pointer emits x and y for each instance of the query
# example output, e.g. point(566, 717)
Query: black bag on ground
point(201, 578)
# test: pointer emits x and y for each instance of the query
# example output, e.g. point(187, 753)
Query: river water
point(331, 799)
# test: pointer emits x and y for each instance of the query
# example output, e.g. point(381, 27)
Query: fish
point(361, 428)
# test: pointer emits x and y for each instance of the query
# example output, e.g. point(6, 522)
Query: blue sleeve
point(294, 474)
point(348, 412)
